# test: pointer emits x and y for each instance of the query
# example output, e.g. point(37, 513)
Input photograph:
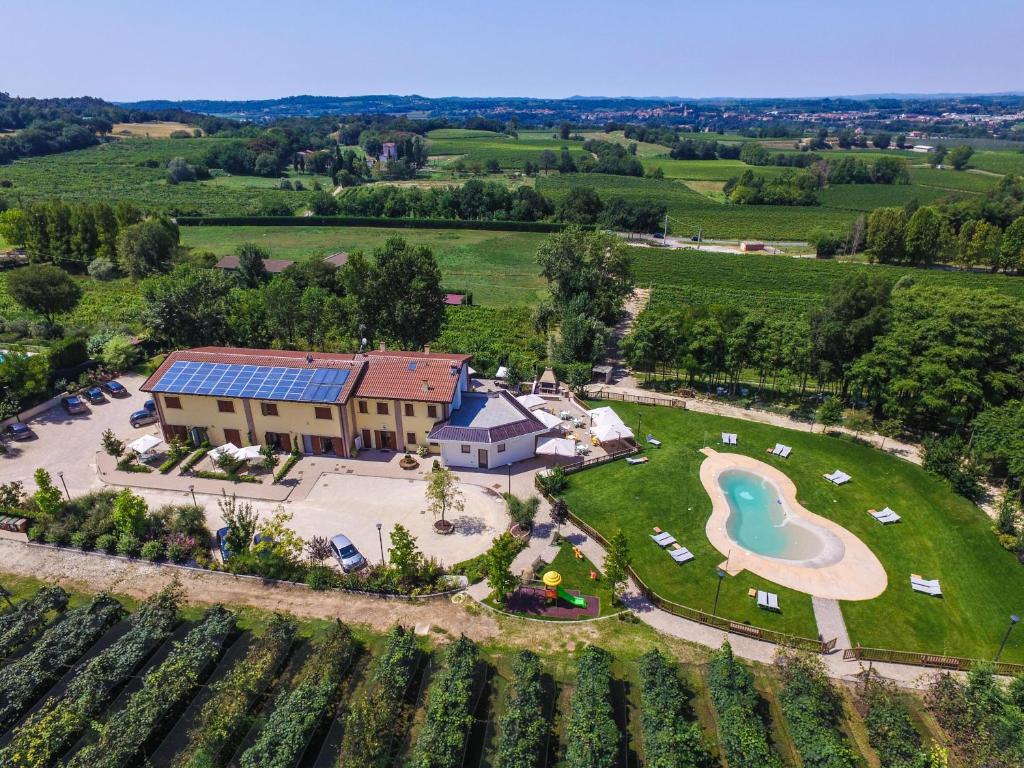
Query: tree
point(1011, 253)
point(252, 272)
point(241, 521)
point(925, 232)
point(129, 513)
point(830, 412)
point(403, 553)
point(959, 156)
point(498, 565)
point(889, 429)
point(179, 170)
point(581, 205)
point(592, 268)
point(858, 421)
point(48, 498)
point(887, 234)
point(188, 308)
point(881, 140)
point(319, 549)
point(45, 289)
point(559, 513)
point(444, 495)
point(146, 248)
point(548, 160)
point(111, 445)
point(564, 129)
point(25, 377)
point(277, 540)
point(522, 512)
point(985, 244)
point(119, 354)
point(616, 563)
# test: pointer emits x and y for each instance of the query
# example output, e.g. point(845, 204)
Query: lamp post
point(61, 476)
point(380, 538)
point(509, 478)
point(639, 418)
point(1013, 620)
point(718, 590)
point(192, 490)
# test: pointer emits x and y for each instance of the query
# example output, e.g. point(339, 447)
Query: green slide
point(579, 602)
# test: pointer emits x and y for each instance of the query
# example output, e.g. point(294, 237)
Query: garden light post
point(510, 478)
point(61, 476)
point(192, 490)
point(380, 538)
point(721, 576)
point(1013, 620)
point(639, 418)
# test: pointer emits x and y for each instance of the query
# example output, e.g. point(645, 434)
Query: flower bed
point(297, 712)
point(524, 727)
point(448, 711)
point(592, 734)
point(743, 732)
point(375, 723)
point(290, 462)
point(53, 728)
point(61, 645)
point(671, 740)
point(229, 476)
point(227, 714)
point(196, 457)
point(21, 624)
point(165, 691)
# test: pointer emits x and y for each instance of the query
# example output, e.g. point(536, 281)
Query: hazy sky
point(219, 49)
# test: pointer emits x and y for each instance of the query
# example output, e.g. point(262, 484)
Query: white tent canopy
point(144, 444)
point(549, 420)
point(604, 416)
point(531, 401)
point(608, 432)
point(215, 453)
point(556, 446)
point(502, 372)
point(247, 453)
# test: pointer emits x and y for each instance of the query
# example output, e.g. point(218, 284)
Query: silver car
point(347, 553)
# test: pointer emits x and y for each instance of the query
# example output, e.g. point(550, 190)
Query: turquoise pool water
point(760, 522)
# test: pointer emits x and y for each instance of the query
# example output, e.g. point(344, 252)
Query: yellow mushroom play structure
point(553, 590)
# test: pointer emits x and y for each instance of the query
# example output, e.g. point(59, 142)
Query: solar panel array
point(261, 382)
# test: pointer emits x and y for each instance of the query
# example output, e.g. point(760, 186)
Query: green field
point(942, 536)
point(481, 146)
point(117, 172)
point(498, 267)
point(709, 170)
point(111, 304)
point(948, 179)
point(867, 197)
point(999, 162)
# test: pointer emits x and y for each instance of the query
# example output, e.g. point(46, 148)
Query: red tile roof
point(381, 374)
point(454, 299)
point(337, 259)
point(273, 266)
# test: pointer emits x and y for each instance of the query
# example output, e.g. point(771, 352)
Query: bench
point(744, 629)
point(946, 662)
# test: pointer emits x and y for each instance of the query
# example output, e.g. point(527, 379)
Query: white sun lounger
point(777, 450)
point(652, 441)
point(886, 516)
point(784, 453)
point(636, 459)
point(767, 600)
point(927, 586)
point(681, 555)
point(663, 539)
point(729, 438)
point(838, 477)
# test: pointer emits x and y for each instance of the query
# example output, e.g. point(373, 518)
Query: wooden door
point(367, 442)
point(339, 446)
point(385, 440)
point(481, 458)
point(233, 436)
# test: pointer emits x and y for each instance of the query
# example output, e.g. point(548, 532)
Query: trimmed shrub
point(106, 543)
point(152, 551)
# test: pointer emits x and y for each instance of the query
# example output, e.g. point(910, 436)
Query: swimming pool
point(761, 522)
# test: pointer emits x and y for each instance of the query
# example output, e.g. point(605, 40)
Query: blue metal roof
point(261, 382)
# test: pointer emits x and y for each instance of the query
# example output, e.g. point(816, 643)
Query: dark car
point(222, 543)
point(74, 404)
point(142, 418)
point(658, 236)
point(94, 395)
point(150, 406)
point(116, 389)
point(18, 432)
point(694, 239)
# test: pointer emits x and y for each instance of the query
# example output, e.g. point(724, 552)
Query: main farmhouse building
point(334, 404)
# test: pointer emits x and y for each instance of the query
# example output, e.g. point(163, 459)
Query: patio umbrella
point(610, 432)
point(531, 401)
point(144, 444)
point(215, 453)
point(556, 446)
point(248, 452)
point(549, 420)
point(604, 416)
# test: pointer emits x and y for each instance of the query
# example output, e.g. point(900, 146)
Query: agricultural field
point(780, 282)
point(118, 171)
point(866, 197)
point(941, 535)
point(498, 267)
point(153, 130)
point(172, 685)
point(109, 304)
point(999, 162)
point(480, 146)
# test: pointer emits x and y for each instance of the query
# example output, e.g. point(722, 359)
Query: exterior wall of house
point(295, 420)
point(396, 422)
point(201, 411)
point(516, 449)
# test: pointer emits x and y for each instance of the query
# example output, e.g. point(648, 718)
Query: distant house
point(748, 246)
point(455, 299)
point(923, 148)
point(338, 259)
point(273, 266)
point(547, 384)
point(389, 151)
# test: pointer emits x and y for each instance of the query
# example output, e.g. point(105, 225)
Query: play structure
point(553, 590)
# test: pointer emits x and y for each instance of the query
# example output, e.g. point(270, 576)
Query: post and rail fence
point(936, 661)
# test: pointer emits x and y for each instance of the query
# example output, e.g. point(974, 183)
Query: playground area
point(569, 588)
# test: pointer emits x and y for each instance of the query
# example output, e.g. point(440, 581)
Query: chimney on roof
point(425, 386)
point(383, 347)
point(426, 349)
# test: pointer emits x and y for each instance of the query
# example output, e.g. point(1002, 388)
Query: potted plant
point(408, 462)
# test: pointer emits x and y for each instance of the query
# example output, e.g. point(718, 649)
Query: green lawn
point(498, 267)
point(942, 536)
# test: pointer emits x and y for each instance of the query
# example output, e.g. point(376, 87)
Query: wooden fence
point(626, 397)
point(581, 464)
point(718, 622)
point(929, 660)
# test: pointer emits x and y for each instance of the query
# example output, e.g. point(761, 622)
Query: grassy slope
point(499, 267)
point(942, 536)
point(481, 146)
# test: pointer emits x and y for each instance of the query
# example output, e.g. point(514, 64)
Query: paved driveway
point(68, 444)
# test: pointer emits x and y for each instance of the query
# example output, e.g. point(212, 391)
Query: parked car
point(150, 406)
point(74, 404)
point(94, 395)
point(222, 544)
point(658, 236)
point(18, 432)
point(142, 418)
point(116, 389)
point(347, 554)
